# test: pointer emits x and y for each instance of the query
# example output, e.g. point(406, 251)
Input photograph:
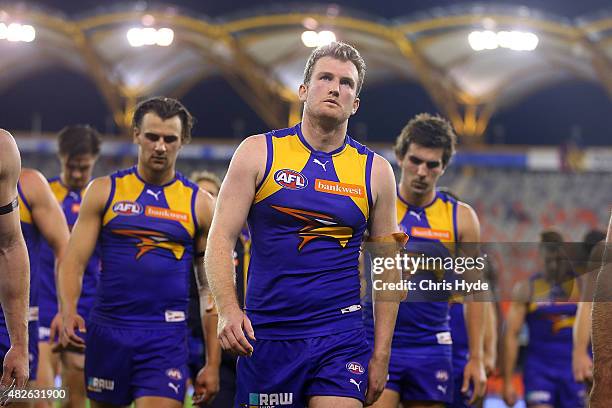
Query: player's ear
point(355, 105)
point(302, 92)
point(399, 160)
point(135, 133)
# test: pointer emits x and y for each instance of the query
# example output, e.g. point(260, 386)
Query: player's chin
point(332, 117)
point(158, 165)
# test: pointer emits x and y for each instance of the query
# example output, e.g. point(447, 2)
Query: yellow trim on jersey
point(25, 215)
point(179, 198)
point(127, 188)
point(401, 208)
point(350, 168)
point(440, 218)
point(541, 292)
point(59, 191)
point(287, 153)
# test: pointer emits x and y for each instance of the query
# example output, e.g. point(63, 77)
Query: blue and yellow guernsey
point(550, 318)
point(307, 223)
point(32, 238)
point(433, 231)
point(70, 201)
point(147, 244)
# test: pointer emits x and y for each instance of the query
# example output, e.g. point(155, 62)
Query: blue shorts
point(288, 372)
point(123, 364)
point(422, 373)
point(547, 385)
point(5, 344)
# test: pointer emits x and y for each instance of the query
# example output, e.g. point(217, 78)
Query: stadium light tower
point(139, 36)
point(16, 32)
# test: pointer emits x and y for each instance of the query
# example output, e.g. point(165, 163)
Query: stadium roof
point(261, 54)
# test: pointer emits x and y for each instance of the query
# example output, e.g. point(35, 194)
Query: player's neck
point(158, 178)
point(63, 179)
point(416, 200)
point(322, 138)
point(65, 182)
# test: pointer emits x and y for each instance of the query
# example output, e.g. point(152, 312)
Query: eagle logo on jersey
point(149, 240)
point(560, 322)
point(318, 225)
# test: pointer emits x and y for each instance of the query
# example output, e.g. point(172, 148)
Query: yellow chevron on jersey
point(25, 214)
point(349, 165)
point(175, 196)
point(178, 195)
point(541, 291)
point(127, 188)
point(288, 153)
point(434, 222)
point(59, 190)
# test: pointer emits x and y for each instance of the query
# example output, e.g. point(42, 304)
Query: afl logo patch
point(128, 208)
point(174, 374)
point(442, 375)
point(355, 368)
point(290, 179)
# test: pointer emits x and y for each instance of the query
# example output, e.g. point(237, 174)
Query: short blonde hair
point(205, 175)
point(340, 51)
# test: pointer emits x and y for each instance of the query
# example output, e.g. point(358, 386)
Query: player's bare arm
point(601, 395)
point(468, 228)
point(582, 364)
point(383, 223)
point(46, 211)
point(514, 322)
point(80, 248)
point(235, 198)
point(14, 266)
point(207, 381)
point(490, 338)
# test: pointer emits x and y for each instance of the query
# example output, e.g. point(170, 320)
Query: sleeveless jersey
point(550, 321)
point(433, 231)
point(32, 238)
point(147, 246)
point(307, 223)
point(70, 201)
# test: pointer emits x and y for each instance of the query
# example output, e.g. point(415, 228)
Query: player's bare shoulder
point(382, 176)
point(97, 194)
point(205, 206)
point(31, 178)
point(250, 158)
point(521, 292)
point(10, 161)
point(468, 225)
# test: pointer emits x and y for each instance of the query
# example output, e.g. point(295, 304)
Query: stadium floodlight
point(134, 37)
point(313, 39)
point(137, 37)
point(326, 37)
point(165, 36)
point(513, 40)
point(28, 33)
point(310, 38)
point(16, 32)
